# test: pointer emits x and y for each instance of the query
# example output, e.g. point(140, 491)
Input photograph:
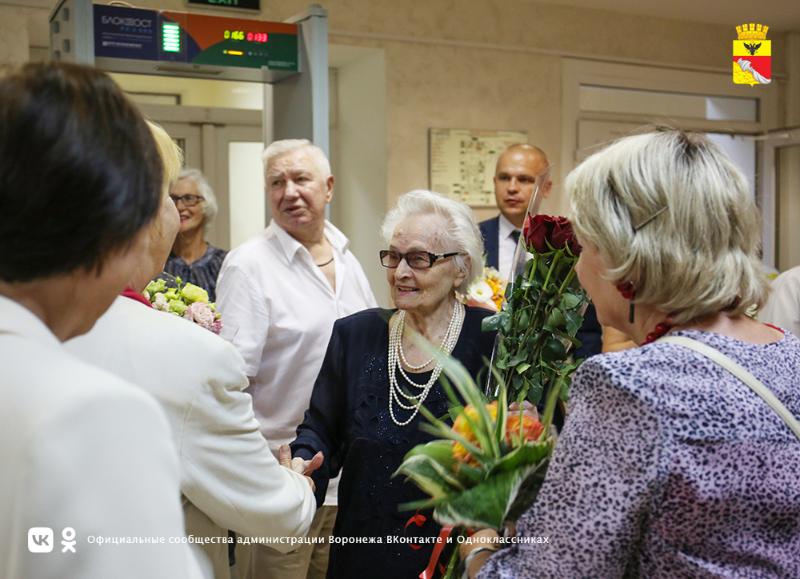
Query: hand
point(298, 465)
point(484, 538)
point(528, 409)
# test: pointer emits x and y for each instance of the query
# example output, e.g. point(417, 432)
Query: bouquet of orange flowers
point(486, 469)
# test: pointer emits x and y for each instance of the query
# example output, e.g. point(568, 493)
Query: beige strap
point(742, 374)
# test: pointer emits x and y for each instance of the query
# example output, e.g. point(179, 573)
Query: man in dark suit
point(514, 184)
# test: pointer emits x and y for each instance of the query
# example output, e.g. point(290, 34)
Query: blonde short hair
point(460, 234)
point(671, 213)
point(170, 153)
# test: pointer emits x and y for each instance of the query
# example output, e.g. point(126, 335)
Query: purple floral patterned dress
point(669, 466)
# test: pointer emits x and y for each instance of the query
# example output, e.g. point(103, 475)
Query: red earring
point(628, 291)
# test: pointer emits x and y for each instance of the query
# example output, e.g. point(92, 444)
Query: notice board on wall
point(461, 162)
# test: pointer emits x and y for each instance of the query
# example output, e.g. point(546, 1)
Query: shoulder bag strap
point(742, 374)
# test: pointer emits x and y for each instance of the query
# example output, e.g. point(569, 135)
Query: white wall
point(360, 157)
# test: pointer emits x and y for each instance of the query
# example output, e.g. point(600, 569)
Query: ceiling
point(777, 14)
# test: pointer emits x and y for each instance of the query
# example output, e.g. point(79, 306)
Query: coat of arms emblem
point(752, 55)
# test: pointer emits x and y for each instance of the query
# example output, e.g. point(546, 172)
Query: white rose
point(480, 291)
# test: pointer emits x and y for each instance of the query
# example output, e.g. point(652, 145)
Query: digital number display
point(260, 37)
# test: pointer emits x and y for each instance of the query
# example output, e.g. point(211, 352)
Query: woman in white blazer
point(89, 479)
point(229, 477)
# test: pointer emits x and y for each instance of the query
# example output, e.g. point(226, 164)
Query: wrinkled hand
point(483, 538)
point(298, 465)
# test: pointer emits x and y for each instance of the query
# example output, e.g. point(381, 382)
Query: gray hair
point(210, 206)
point(671, 213)
point(280, 148)
point(461, 228)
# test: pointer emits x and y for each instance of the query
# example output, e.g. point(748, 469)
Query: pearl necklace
point(396, 394)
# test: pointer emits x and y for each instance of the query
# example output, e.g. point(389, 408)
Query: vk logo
point(40, 539)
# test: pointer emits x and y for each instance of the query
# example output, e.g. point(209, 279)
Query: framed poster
point(461, 162)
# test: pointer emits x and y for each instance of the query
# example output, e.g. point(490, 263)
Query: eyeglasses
point(188, 200)
point(415, 259)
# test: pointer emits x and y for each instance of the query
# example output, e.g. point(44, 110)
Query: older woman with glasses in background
point(363, 414)
point(192, 258)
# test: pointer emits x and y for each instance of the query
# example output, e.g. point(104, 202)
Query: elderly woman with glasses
point(363, 414)
point(192, 258)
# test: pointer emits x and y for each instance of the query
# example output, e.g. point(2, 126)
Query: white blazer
point(81, 449)
point(228, 474)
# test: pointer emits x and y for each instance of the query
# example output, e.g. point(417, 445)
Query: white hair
point(461, 232)
point(671, 213)
point(280, 148)
point(210, 206)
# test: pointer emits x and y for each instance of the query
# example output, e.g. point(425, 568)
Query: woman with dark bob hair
point(679, 458)
point(84, 454)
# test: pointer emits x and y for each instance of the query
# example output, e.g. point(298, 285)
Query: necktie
point(515, 235)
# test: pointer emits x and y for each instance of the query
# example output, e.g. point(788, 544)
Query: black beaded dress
point(348, 420)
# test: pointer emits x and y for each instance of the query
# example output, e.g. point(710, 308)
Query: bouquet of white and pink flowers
point(185, 300)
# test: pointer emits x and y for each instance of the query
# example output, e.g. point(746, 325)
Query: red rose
point(563, 236)
point(537, 231)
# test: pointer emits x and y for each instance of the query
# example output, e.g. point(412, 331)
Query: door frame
point(206, 130)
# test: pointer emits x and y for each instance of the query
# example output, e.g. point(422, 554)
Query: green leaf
point(522, 368)
point(574, 321)
point(483, 506)
point(554, 350)
point(429, 476)
point(555, 320)
point(518, 358)
point(494, 322)
point(526, 455)
point(439, 450)
point(570, 301)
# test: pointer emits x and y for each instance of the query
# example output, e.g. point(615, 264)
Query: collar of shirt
point(505, 227)
point(290, 246)
point(17, 319)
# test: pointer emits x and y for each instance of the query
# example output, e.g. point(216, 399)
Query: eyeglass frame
point(433, 258)
point(182, 199)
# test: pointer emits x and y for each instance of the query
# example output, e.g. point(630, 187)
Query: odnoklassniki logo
point(752, 55)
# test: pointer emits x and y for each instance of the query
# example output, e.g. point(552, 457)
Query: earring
point(628, 291)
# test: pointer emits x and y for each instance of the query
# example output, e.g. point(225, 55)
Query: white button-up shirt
point(506, 246)
point(278, 310)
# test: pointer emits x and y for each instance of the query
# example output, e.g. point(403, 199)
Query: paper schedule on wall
point(461, 162)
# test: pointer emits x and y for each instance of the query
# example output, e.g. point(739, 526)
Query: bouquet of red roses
point(543, 312)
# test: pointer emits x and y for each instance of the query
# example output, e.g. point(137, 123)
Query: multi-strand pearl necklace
point(397, 359)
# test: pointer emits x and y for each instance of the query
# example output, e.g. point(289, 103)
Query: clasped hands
point(299, 465)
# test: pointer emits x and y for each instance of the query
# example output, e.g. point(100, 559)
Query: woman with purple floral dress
point(669, 465)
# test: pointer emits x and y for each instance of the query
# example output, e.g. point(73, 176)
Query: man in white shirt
point(515, 175)
point(279, 294)
point(783, 306)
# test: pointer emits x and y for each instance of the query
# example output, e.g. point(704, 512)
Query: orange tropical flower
point(531, 429)
point(462, 427)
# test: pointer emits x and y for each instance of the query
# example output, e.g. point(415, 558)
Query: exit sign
point(244, 4)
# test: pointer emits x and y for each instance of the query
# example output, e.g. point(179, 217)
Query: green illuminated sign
point(170, 37)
